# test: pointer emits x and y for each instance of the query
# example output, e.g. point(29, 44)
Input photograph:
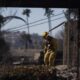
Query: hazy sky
point(36, 14)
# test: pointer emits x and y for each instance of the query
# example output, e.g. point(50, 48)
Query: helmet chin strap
point(48, 32)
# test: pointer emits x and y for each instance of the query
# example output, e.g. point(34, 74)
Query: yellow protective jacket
point(50, 44)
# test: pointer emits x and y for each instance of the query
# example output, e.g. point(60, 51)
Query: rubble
point(39, 72)
point(63, 71)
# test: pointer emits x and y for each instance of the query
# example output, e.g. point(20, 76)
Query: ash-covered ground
point(37, 72)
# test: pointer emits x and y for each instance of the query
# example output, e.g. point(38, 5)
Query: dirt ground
point(38, 72)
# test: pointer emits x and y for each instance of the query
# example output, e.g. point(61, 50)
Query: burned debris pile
point(37, 73)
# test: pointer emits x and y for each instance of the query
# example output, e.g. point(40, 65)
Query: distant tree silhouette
point(26, 39)
point(4, 50)
point(4, 47)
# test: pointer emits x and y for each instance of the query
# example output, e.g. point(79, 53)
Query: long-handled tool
point(56, 26)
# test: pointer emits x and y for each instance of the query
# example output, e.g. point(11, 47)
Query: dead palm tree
point(48, 13)
point(27, 13)
point(4, 19)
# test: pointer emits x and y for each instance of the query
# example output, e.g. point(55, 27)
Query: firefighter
point(50, 47)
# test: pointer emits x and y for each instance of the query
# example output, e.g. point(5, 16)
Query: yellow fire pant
point(49, 58)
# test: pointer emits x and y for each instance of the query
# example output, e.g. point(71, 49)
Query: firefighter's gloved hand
point(48, 46)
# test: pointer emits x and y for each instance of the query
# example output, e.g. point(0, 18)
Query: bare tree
point(71, 12)
point(4, 19)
